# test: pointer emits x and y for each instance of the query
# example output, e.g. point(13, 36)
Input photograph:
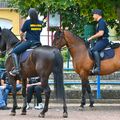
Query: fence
point(68, 67)
point(98, 82)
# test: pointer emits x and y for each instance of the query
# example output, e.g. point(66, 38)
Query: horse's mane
point(10, 36)
point(79, 39)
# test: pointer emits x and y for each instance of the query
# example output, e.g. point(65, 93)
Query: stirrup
point(14, 72)
point(96, 71)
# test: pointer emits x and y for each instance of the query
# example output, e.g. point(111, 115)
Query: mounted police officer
point(32, 28)
point(102, 38)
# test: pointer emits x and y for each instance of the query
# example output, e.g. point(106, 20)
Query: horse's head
point(7, 39)
point(59, 39)
point(2, 41)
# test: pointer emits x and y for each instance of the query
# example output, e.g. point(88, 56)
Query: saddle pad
point(109, 53)
point(105, 54)
point(25, 55)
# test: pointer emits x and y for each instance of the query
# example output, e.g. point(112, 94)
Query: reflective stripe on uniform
point(35, 25)
point(36, 29)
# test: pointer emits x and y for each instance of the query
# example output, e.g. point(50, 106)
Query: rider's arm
point(102, 26)
point(22, 36)
point(23, 30)
point(44, 21)
point(97, 35)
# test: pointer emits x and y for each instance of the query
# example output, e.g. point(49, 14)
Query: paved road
point(99, 112)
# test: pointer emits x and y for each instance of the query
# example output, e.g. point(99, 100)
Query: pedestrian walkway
point(99, 112)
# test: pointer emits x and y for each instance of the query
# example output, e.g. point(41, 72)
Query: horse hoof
point(12, 114)
point(23, 113)
point(82, 108)
point(65, 115)
point(41, 115)
point(91, 105)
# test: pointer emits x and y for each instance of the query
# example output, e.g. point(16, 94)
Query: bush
point(65, 54)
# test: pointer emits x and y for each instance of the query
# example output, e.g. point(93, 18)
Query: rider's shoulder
point(102, 20)
point(27, 22)
point(40, 22)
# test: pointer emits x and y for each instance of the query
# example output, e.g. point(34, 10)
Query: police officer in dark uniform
point(101, 36)
point(32, 28)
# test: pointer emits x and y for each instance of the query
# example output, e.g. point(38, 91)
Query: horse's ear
point(58, 29)
point(11, 28)
point(0, 32)
point(58, 33)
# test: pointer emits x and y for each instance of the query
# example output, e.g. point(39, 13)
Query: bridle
point(70, 46)
point(63, 37)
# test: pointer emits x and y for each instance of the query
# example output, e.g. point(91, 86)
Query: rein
point(8, 51)
point(3, 52)
point(72, 46)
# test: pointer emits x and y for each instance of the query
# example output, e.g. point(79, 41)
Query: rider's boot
point(97, 61)
point(16, 70)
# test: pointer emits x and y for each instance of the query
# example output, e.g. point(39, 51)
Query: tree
point(75, 13)
point(2, 60)
point(116, 4)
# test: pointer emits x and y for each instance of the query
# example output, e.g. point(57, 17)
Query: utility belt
point(102, 38)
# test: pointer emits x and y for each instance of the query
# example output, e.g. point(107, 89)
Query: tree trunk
point(118, 14)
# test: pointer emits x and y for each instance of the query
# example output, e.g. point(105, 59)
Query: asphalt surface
point(99, 112)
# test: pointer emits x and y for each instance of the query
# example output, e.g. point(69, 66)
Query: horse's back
point(45, 52)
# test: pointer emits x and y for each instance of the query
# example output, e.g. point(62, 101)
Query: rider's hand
point(89, 39)
point(23, 40)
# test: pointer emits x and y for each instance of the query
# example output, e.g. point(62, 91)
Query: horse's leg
point(47, 96)
point(90, 94)
point(65, 114)
point(24, 96)
point(13, 111)
point(83, 102)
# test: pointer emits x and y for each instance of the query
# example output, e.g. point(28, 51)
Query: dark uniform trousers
point(22, 47)
point(18, 50)
point(99, 46)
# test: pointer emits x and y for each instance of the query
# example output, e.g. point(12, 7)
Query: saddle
point(23, 56)
point(106, 53)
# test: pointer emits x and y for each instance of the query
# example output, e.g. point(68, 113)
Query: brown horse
point(42, 62)
point(82, 62)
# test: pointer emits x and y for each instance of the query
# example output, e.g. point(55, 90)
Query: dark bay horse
point(42, 62)
point(82, 62)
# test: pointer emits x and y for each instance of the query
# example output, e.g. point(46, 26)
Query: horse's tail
point(58, 76)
